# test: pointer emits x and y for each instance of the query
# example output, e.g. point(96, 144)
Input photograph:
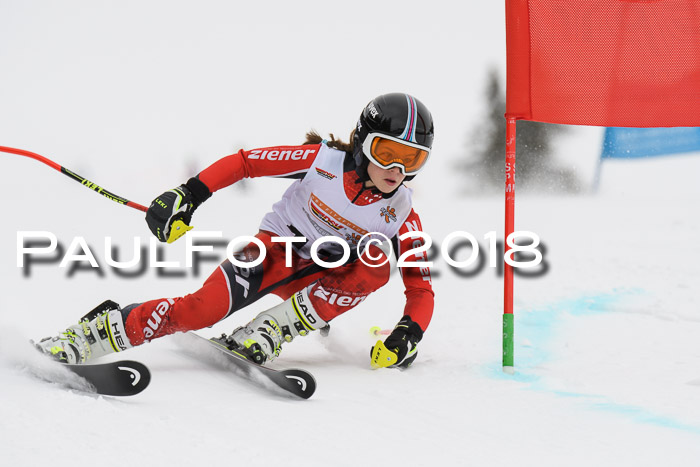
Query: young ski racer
point(348, 191)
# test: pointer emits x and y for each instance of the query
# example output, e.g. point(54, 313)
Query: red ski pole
point(82, 180)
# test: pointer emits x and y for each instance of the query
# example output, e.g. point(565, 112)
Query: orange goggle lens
point(388, 152)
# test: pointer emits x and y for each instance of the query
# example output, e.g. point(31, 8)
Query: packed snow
point(137, 98)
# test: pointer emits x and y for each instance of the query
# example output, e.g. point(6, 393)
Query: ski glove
point(170, 214)
point(399, 349)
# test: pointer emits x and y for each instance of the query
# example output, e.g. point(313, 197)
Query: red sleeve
point(277, 161)
point(419, 289)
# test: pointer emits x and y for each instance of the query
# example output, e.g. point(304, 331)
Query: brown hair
point(312, 137)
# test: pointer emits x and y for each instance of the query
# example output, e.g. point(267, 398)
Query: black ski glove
point(401, 343)
point(170, 214)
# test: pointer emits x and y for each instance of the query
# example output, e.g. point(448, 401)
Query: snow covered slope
point(606, 354)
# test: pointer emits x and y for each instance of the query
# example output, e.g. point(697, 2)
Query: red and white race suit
point(326, 200)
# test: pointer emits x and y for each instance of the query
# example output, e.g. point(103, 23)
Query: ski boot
point(98, 333)
point(261, 340)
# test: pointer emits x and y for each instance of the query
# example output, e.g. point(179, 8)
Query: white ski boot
point(261, 339)
point(98, 333)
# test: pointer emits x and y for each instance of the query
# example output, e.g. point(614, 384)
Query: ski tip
point(138, 374)
point(300, 383)
point(121, 378)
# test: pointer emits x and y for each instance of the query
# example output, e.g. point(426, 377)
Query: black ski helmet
point(397, 115)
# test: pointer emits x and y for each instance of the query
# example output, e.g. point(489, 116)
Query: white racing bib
point(317, 206)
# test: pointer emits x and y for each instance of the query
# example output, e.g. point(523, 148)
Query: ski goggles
point(387, 152)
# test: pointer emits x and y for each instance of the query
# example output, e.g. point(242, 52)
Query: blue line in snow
point(537, 325)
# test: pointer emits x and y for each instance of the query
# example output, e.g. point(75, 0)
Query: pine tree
point(535, 169)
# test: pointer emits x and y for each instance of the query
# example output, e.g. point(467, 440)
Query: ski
point(298, 382)
point(122, 378)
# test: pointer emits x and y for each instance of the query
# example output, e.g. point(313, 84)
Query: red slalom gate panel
point(631, 63)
